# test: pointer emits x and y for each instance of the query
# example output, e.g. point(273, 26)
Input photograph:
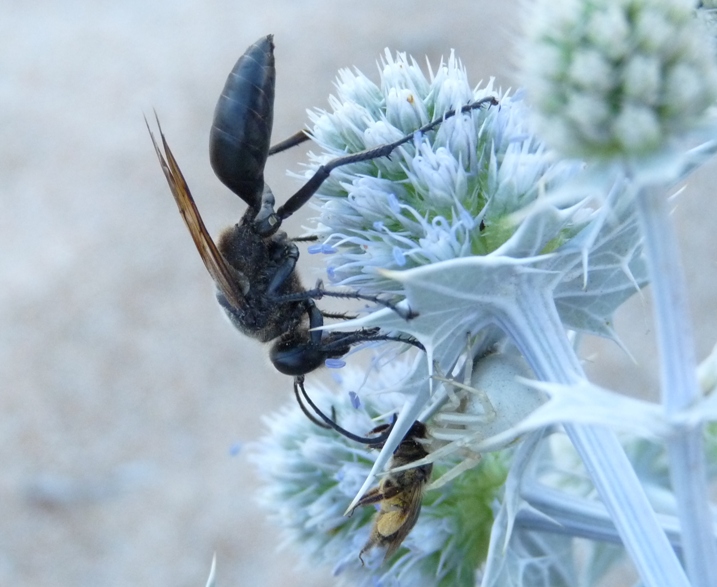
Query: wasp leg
point(322, 173)
point(336, 340)
point(292, 141)
point(339, 343)
point(337, 316)
point(319, 292)
point(305, 239)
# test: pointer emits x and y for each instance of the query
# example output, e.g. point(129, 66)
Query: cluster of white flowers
point(447, 195)
point(503, 249)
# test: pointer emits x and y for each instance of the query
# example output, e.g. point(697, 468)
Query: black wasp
point(253, 263)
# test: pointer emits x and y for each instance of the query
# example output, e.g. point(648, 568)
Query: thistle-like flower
point(449, 195)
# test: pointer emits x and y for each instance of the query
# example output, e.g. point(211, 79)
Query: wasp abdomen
point(241, 131)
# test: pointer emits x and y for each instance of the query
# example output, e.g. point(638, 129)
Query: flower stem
point(533, 323)
point(557, 511)
point(678, 382)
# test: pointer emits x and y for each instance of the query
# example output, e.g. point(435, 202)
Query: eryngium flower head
point(445, 195)
point(617, 77)
point(311, 475)
point(474, 189)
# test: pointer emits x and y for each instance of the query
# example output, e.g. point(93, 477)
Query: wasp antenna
point(371, 441)
point(306, 412)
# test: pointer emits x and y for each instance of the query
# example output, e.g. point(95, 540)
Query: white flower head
point(449, 193)
point(617, 77)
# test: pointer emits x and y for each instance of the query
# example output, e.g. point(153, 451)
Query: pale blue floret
point(334, 363)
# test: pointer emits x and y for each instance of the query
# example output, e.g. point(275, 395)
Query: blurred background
point(126, 397)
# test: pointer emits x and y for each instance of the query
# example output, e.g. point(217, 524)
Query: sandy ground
point(124, 391)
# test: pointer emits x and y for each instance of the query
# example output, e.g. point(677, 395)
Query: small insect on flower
point(253, 264)
point(399, 494)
